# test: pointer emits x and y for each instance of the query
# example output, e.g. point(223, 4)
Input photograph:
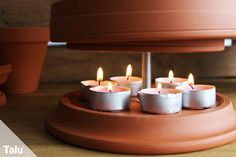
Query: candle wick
point(159, 92)
point(128, 77)
point(110, 91)
point(171, 81)
point(191, 86)
point(99, 82)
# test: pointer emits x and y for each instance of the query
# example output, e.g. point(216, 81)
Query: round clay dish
point(134, 132)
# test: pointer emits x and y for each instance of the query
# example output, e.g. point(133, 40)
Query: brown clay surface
point(125, 24)
point(134, 132)
point(2, 99)
point(23, 35)
point(24, 49)
point(5, 69)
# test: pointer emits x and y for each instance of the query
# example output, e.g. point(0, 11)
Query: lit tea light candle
point(132, 82)
point(171, 81)
point(160, 100)
point(85, 85)
point(99, 76)
point(110, 98)
point(198, 96)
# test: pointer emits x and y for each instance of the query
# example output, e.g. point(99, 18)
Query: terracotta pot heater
point(162, 26)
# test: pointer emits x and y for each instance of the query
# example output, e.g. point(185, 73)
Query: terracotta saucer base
point(135, 132)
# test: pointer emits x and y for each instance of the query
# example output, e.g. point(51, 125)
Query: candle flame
point(129, 71)
point(171, 75)
point(99, 74)
point(191, 79)
point(109, 86)
point(159, 86)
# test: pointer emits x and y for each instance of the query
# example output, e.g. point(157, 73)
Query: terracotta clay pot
point(138, 25)
point(24, 49)
point(5, 69)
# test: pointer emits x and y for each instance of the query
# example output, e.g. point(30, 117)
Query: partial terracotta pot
point(5, 69)
point(24, 49)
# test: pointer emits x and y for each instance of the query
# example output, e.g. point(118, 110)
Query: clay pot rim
point(224, 100)
point(24, 28)
point(5, 69)
point(24, 34)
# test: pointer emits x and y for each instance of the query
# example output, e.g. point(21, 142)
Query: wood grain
point(25, 13)
point(65, 65)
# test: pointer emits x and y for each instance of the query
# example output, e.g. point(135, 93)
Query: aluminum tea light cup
point(87, 84)
point(171, 81)
point(132, 82)
point(160, 101)
point(198, 96)
point(104, 99)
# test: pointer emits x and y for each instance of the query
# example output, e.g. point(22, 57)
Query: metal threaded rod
point(146, 70)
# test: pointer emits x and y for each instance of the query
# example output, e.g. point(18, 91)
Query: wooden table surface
point(25, 116)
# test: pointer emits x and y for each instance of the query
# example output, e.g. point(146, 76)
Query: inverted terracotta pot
point(24, 49)
point(138, 25)
point(134, 132)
